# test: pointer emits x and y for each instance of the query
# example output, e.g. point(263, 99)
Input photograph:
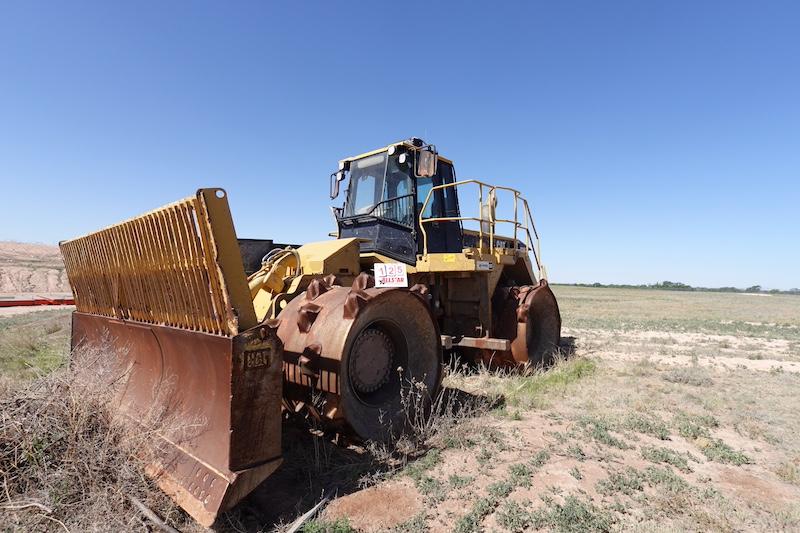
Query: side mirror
point(336, 179)
point(426, 163)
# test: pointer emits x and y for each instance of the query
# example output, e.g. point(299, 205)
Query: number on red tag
point(391, 275)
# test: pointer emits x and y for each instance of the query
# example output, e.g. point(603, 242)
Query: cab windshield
point(380, 186)
point(366, 184)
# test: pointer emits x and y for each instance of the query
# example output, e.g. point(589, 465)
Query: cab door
point(443, 236)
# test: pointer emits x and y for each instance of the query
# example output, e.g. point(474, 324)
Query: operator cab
point(385, 195)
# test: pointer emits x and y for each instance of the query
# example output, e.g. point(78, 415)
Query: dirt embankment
point(34, 268)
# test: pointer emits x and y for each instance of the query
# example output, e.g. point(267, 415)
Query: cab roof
point(406, 143)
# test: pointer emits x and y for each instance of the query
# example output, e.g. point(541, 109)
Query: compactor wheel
point(382, 344)
point(529, 316)
point(393, 350)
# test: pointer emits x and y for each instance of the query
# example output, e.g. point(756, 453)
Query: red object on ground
point(14, 302)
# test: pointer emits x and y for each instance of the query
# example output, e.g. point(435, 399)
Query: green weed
point(532, 390)
point(599, 430)
point(576, 452)
point(340, 525)
point(458, 482)
point(513, 517)
point(665, 479)
point(573, 515)
point(667, 456)
point(471, 521)
point(521, 474)
point(33, 344)
point(541, 457)
point(720, 452)
point(695, 426)
point(415, 525)
point(647, 425)
point(627, 482)
point(416, 470)
point(432, 488)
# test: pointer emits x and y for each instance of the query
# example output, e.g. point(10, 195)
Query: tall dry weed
point(69, 461)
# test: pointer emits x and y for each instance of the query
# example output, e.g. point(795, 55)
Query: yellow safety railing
point(527, 224)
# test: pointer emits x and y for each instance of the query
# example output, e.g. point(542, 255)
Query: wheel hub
point(371, 360)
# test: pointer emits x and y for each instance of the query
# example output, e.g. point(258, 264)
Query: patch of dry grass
point(773, 316)
point(67, 462)
point(789, 471)
point(690, 375)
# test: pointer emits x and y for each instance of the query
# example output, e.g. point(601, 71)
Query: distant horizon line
point(679, 286)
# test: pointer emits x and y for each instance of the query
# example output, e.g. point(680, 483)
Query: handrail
point(527, 224)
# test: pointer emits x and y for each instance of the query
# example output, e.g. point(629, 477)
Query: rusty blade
point(218, 400)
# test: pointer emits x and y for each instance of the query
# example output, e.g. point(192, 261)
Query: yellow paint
point(178, 265)
point(290, 271)
point(446, 263)
point(271, 280)
point(339, 256)
point(226, 253)
point(370, 258)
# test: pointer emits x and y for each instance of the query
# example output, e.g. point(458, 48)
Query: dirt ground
point(684, 417)
point(672, 411)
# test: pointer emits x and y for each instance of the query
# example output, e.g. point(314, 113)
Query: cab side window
point(450, 198)
point(424, 186)
point(443, 202)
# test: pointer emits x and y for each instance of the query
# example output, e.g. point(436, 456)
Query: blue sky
point(654, 140)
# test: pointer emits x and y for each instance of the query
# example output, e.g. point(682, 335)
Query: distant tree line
point(678, 286)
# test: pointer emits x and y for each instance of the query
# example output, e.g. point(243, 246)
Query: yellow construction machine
point(230, 333)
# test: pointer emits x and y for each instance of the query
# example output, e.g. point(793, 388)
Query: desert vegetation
point(658, 419)
point(668, 410)
point(68, 461)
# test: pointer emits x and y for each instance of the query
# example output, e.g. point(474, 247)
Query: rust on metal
point(316, 287)
point(361, 353)
point(363, 281)
point(358, 295)
point(482, 343)
point(215, 447)
point(307, 315)
point(356, 299)
point(529, 317)
point(309, 360)
point(164, 298)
